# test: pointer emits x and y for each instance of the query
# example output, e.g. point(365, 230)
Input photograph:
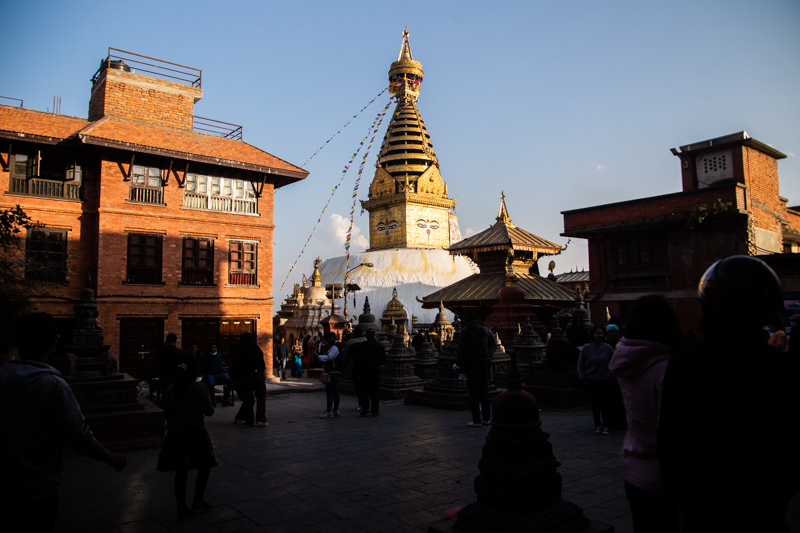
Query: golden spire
point(405, 48)
point(316, 277)
point(502, 217)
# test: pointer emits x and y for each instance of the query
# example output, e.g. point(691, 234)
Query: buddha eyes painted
point(381, 226)
point(422, 224)
point(434, 225)
point(392, 225)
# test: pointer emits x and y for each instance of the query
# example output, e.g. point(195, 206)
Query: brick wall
point(143, 99)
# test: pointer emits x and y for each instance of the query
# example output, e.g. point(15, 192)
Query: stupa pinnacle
point(408, 204)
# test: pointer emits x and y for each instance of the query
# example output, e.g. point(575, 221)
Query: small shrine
point(394, 313)
point(507, 257)
point(309, 307)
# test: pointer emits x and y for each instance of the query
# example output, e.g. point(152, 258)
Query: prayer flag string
point(343, 127)
point(333, 192)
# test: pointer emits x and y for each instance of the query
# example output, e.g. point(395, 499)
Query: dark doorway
point(139, 339)
point(229, 332)
point(200, 331)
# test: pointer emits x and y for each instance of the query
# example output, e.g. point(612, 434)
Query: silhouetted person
point(368, 357)
point(728, 430)
point(475, 349)
point(794, 333)
point(167, 361)
point(417, 341)
point(187, 445)
point(248, 372)
point(38, 417)
point(212, 366)
point(281, 355)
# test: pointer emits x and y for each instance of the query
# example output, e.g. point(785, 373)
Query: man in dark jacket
point(166, 361)
point(38, 417)
point(728, 428)
point(475, 348)
point(281, 354)
point(212, 366)
point(368, 357)
point(248, 371)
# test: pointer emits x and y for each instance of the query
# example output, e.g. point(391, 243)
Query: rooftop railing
point(15, 99)
point(217, 127)
point(137, 63)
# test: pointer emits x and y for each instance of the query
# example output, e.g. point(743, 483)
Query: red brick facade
point(730, 205)
point(191, 204)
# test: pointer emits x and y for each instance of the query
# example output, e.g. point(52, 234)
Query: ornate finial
point(405, 48)
point(394, 293)
point(405, 74)
point(367, 308)
point(316, 277)
point(502, 217)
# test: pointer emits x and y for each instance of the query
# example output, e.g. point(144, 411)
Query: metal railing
point(217, 127)
point(197, 276)
point(15, 99)
point(124, 60)
point(147, 195)
point(46, 188)
point(242, 278)
point(144, 275)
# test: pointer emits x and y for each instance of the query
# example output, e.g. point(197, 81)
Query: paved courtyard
point(398, 472)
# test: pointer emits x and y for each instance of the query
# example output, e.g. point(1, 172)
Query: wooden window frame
point(640, 262)
point(241, 276)
point(194, 275)
point(131, 269)
point(145, 192)
point(46, 265)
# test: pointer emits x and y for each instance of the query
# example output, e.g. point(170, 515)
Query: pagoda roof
point(572, 277)
point(503, 235)
point(482, 289)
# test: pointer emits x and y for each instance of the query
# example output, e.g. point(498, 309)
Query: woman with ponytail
point(187, 445)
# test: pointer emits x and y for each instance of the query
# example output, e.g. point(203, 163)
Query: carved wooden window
point(198, 261)
point(146, 185)
point(46, 255)
point(49, 173)
point(144, 258)
point(242, 263)
point(220, 194)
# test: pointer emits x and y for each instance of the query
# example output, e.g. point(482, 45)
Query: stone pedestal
point(519, 488)
point(554, 380)
point(398, 373)
point(426, 362)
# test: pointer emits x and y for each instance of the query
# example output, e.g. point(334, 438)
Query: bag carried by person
point(324, 377)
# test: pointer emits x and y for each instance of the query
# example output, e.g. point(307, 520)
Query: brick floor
point(394, 473)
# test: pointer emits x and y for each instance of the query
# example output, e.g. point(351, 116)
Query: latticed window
point(46, 255)
point(242, 263)
point(146, 185)
point(144, 258)
point(219, 194)
point(198, 261)
point(641, 262)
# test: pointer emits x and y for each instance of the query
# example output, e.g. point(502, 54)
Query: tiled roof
point(17, 122)
point(572, 277)
point(483, 288)
point(124, 134)
point(500, 236)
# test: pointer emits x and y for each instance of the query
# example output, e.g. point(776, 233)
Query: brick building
point(173, 225)
point(730, 204)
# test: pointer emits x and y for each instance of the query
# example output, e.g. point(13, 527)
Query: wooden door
point(200, 331)
point(230, 329)
point(139, 340)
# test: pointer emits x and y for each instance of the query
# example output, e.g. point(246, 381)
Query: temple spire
point(502, 217)
point(405, 48)
point(316, 277)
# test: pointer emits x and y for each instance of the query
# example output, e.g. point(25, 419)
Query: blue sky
point(561, 104)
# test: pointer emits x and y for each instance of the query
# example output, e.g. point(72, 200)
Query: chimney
point(119, 91)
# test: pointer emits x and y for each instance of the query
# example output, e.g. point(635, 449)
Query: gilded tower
point(408, 204)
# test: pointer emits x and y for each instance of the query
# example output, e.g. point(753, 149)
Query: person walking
point(334, 365)
point(297, 359)
point(39, 415)
point(249, 376)
point(594, 373)
point(368, 357)
point(475, 349)
point(187, 445)
point(347, 354)
point(652, 335)
point(281, 355)
point(213, 369)
point(728, 428)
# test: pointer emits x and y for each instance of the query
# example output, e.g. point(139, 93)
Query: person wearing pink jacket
point(652, 334)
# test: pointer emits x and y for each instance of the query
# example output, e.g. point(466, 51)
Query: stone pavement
point(398, 472)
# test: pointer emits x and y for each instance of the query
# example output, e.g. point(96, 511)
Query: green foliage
point(701, 213)
point(15, 290)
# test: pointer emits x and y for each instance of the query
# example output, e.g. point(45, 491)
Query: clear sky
point(561, 104)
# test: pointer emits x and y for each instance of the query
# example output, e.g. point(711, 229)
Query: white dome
point(413, 272)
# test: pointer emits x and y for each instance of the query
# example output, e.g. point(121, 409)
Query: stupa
point(411, 218)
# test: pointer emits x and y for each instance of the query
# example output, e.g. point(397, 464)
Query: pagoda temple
point(411, 218)
point(507, 257)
